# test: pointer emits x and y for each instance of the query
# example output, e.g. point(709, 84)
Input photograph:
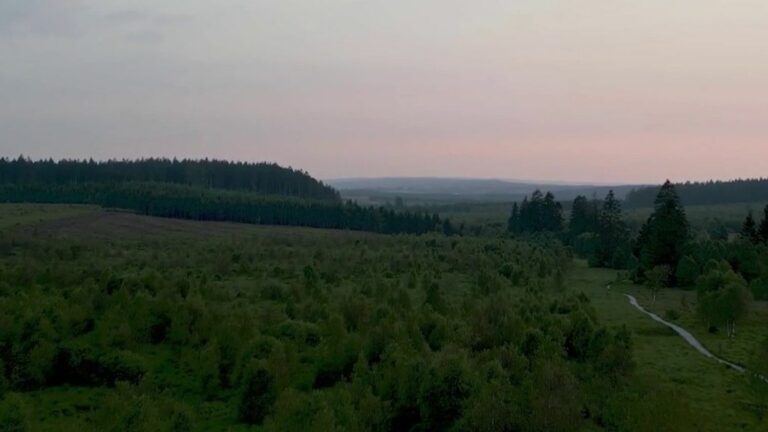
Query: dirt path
point(685, 334)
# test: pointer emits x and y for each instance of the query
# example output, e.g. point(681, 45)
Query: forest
point(703, 193)
point(192, 321)
point(204, 190)
point(664, 252)
point(262, 178)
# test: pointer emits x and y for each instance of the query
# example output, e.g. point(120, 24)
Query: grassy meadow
point(719, 398)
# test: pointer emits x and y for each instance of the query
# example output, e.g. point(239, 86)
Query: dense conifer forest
point(204, 190)
point(261, 178)
point(703, 193)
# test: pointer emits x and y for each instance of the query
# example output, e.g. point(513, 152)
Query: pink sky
point(601, 90)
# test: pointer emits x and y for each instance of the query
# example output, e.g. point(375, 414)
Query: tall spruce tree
point(583, 217)
point(539, 213)
point(612, 250)
point(552, 214)
point(749, 229)
point(665, 234)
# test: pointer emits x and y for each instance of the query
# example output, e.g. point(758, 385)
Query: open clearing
point(717, 394)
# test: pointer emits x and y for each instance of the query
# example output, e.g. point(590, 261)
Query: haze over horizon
point(595, 92)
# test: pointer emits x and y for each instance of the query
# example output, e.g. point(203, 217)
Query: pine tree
point(540, 213)
point(665, 234)
point(552, 214)
point(749, 229)
point(612, 233)
point(583, 217)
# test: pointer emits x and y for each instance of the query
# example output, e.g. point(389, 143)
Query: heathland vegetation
point(119, 321)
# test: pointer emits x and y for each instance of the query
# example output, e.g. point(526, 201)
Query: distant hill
point(436, 190)
point(706, 193)
point(261, 178)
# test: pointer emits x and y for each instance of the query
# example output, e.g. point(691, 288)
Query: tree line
point(204, 204)
point(728, 273)
point(752, 231)
point(595, 229)
point(262, 178)
point(206, 190)
point(706, 193)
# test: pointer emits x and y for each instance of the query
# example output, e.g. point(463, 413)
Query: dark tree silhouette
point(203, 190)
point(703, 193)
point(665, 234)
point(537, 214)
point(749, 229)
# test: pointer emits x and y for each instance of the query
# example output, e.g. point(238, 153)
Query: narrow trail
point(685, 334)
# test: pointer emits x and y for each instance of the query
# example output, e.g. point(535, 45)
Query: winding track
point(685, 334)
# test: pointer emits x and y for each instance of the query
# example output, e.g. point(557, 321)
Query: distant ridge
point(450, 190)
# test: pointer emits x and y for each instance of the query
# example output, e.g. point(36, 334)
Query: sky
point(594, 90)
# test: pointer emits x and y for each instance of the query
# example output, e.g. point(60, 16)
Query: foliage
point(688, 271)
point(723, 296)
point(258, 395)
point(665, 234)
point(261, 178)
point(540, 213)
point(707, 193)
point(200, 203)
point(658, 278)
point(278, 329)
point(749, 230)
point(584, 217)
point(613, 250)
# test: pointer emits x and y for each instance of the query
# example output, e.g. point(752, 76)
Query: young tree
point(723, 297)
point(539, 213)
point(658, 278)
point(666, 232)
point(613, 233)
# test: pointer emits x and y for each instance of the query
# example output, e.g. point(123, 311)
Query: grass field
point(16, 215)
point(719, 397)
